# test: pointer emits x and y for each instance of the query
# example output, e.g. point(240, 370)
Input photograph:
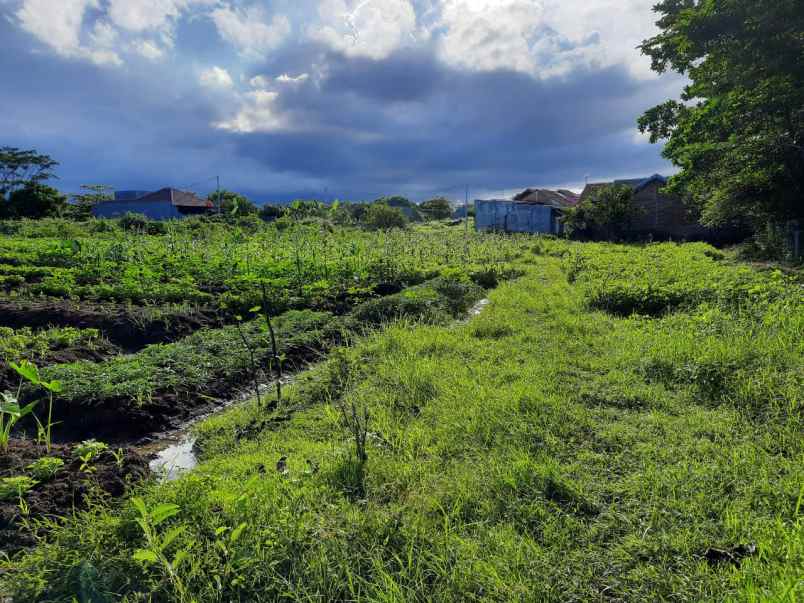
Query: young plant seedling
point(10, 414)
point(87, 451)
point(29, 372)
point(15, 487)
point(45, 468)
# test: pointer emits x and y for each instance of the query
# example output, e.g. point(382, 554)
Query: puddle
point(171, 462)
point(479, 307)
point(173, 453)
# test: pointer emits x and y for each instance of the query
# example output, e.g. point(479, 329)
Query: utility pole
point(218, 193)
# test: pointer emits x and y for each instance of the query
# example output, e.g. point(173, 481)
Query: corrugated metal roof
point(177, 198)
point(542, 196)
point(635, 183)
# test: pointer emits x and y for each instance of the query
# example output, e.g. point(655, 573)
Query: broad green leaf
point(145, 556)
point(180, 556)
point(27, 370)
point(162, 512)
point(139, 504)
point(53, 386)
point(10, 408)
point(26, 410)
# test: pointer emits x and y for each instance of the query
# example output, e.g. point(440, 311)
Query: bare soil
point(129, 327)
point(69, 490)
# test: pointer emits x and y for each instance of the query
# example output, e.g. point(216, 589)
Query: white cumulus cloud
point(141, 15)
point(149, 49)
point(293, 79)
point(216, 78)
point(370, 28)
point(249, 30)
point(543, 37)
point(59, 25)
point(257, 113)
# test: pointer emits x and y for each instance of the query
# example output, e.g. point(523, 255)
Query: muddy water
point(176, 459)
point(479, 307)
point(174, 454)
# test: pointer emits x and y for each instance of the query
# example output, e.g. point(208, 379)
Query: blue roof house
point(164, 204)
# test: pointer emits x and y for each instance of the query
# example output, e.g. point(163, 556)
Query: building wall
point(664, 215)
point(155, 210)
point(509, 216)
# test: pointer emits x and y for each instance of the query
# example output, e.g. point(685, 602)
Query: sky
point(349, 99)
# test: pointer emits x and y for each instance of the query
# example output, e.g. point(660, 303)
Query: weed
point(29, 372)
point(45, 468)
point(155, 551)
point(15, 487)
point(87, 451)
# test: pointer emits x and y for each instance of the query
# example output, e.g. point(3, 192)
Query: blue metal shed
point(512, 216)
point(164, 204)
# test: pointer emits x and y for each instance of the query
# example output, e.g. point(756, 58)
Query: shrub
point(133, 221)
point(383, 217)
point(606, 214)
point(269, 213)
point(436, 209)
point(35, 201)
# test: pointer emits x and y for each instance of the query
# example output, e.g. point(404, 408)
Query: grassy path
point(528, 455)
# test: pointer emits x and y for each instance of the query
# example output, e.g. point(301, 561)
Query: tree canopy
point(380, 216)
point(737, 133)
point(19, 168)
point(436, 209)
point(232, 204)
point(607, 213)
point(34, 200)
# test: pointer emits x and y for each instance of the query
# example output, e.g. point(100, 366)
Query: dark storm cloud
point(361, 128)
point(136, 126)
point(408, 123)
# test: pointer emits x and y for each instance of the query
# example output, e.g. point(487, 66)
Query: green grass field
point(557, 447)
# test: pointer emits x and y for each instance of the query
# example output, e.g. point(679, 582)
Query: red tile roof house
point(661, 215)
point(164, 204)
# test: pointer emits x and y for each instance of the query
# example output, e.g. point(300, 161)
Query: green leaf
point(179, 558)
point(10, 408)
point(27, 370)
point(145, 556)
point(53, 386)
point(26, 410)
point(255, 309)
point(236, 533)
point(170, 536)
point(162, 512)
point(139, 504)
